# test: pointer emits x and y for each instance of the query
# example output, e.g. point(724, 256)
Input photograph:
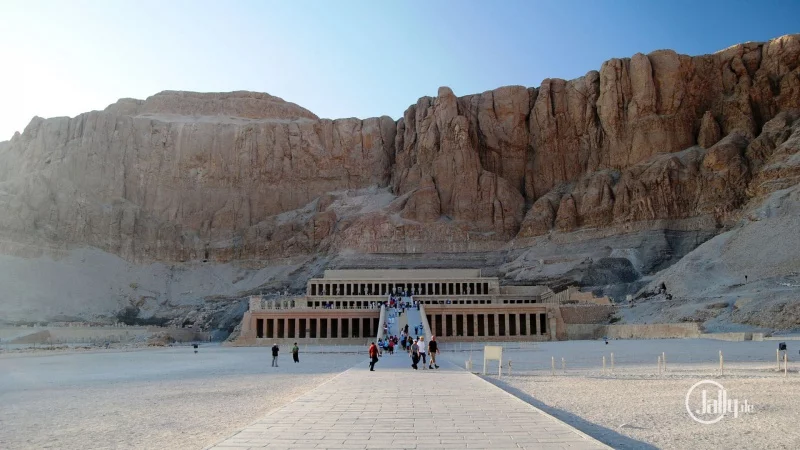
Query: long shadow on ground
point(601, 433)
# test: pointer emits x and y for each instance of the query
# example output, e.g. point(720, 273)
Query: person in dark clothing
point(433, 350)
point(275, 350)
point(373, 356)
point(296, 353)
point(415, 356)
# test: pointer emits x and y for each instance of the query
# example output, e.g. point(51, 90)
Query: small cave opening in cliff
point(205, 256)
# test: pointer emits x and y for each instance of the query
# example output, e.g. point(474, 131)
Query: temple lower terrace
point(344, 307)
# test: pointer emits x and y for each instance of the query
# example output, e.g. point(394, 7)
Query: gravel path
point(165, 398)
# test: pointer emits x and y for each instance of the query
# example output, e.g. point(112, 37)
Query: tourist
point(416, 330)
point(275, 355)
point(296, 353)
point(414, 352)
point(391, 347)
point(422, 350)
point(433, 350)
point(373, 356)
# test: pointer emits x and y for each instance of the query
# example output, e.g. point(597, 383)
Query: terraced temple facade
point(344, 307)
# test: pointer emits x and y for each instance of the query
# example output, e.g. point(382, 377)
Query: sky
point(339, 58)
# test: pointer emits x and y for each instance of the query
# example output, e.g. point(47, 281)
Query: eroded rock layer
point(236, 176)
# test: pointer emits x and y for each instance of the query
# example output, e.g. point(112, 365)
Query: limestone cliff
point(654, 142)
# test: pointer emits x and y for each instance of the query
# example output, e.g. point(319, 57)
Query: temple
point(347, 307)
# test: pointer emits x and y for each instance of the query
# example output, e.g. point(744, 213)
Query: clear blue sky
point(339, 58)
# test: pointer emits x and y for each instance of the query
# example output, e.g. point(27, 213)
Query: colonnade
point(488, 324)
point(318, 327)
point(346, 304)
point(349, 288)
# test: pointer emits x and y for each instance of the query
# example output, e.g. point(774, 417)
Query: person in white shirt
point(422, 350)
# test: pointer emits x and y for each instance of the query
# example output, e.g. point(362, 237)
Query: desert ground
point(149, 398)
point(173, 398)
point(638, 407)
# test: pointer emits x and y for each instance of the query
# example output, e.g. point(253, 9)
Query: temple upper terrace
point(348, 288)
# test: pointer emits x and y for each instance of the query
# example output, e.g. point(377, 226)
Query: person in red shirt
point(373, 355)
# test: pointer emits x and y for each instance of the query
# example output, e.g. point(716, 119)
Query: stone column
point(433, 324)
point(497, 324)
point(486, 325)
point(464, 325)
point(475, 326)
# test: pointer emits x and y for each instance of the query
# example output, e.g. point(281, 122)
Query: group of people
point(387, 345)
point(276, 350)
point(416, 349)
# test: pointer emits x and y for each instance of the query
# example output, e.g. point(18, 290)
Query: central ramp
point(396, 407)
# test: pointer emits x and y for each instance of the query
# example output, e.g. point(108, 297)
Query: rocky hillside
point(603, 181)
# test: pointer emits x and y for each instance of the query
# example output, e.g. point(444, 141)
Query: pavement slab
point(398, 407)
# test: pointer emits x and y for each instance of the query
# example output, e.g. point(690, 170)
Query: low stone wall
point(734, 337)
point(586, 313)
point(96, 335)
point(653, 331)
point(581, 331)
point(39, 337)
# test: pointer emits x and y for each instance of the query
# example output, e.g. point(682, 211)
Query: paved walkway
point(449, 408)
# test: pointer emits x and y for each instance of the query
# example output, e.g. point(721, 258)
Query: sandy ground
point(636, 407)
point(164, 398)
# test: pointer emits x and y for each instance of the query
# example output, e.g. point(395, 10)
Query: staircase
point(414, 319)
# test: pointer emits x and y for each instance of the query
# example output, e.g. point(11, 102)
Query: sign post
point(493, 353)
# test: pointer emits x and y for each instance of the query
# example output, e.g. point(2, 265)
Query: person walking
point(373, 356)
point(414, 355)
point(296, 353)
point(433, 350)
point(275, 350)
point(422, 350)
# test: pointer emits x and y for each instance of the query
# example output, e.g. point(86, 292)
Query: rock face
point(709, 131)
point(168, 186)
point(242, 104)
point(185, 176)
